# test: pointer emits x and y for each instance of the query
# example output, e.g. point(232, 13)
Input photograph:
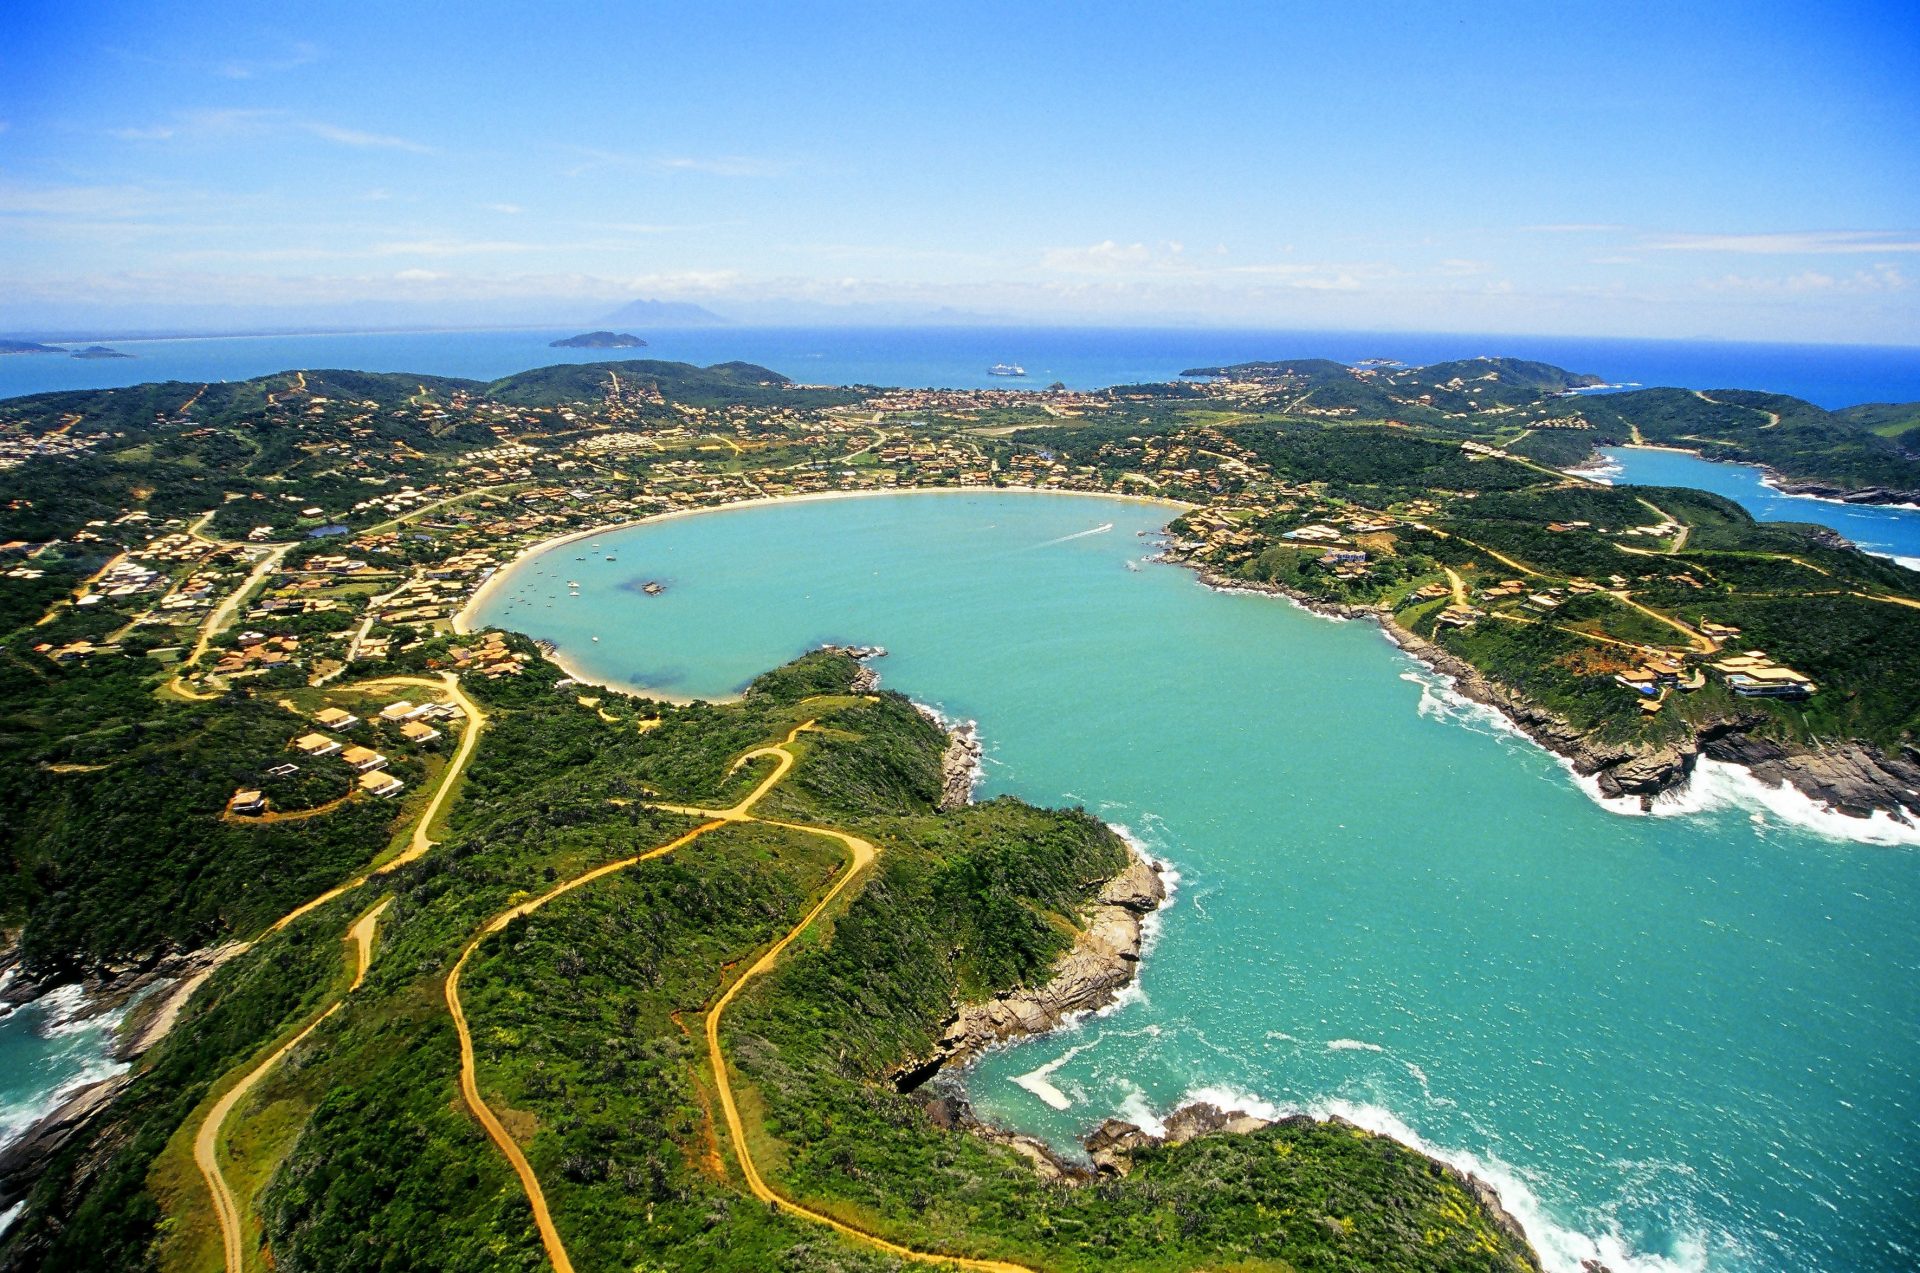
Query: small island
point(28, 347)
point(98, 351)
point(599, 340)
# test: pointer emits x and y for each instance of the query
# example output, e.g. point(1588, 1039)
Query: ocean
point(958, 357)
point(1887, 531)
point(1681, 1041)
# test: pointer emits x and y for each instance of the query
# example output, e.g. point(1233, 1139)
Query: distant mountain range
point(645, 313)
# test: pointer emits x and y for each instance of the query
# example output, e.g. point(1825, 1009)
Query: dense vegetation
point(587, 1019)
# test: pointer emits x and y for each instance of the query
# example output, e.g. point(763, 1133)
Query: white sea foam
point(1602, 471)
point(1714, 785)
point(1154, 923)
point(1562, 1248)
point(1136, 1109)
point(1353, 1045)
point(1040, 1081)
point(11, 1214)
point(1233, 591)
point(63, 1012)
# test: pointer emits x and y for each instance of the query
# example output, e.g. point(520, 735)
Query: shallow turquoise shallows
point(1677, 1041)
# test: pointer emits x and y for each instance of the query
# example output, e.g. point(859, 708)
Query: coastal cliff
point(1104, 960)
point(1090, 975)
point(1849, 775)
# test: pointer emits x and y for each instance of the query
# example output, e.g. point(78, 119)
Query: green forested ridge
point(587, 1016)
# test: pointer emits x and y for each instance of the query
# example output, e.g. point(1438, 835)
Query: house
point(1769, 682)
point(378, 783)
point(315, 745)
point(402, 710)
point(364, 759)
point(1639, 680)
point(247, 803)
point(418, 732)
point(335, 718)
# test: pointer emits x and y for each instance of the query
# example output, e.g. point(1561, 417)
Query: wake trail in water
point(1078, 534)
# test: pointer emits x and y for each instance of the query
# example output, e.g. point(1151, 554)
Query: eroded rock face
point(1102, 961)
point(959, 767)
point(1854, 779)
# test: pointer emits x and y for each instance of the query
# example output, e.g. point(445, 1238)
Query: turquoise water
point(1681, 1041)
point(44, 1056)
point(1890, 532)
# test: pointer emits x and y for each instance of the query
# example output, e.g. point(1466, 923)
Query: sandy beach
point(462, 621)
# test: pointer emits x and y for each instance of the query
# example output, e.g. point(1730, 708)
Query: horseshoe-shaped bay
point(1680, 1041)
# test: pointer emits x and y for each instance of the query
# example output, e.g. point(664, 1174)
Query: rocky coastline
point(1842, 494)
point(1099, 966)
point(152, 993)
point(1856, 778)
point(1103, 961)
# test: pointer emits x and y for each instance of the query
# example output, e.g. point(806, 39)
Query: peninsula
point(678, 982)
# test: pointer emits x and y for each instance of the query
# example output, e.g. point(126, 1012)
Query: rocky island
point(599, 340)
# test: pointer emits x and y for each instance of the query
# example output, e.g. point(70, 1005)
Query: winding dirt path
point(418, 845)
point(206, 1144)
point(862, 854)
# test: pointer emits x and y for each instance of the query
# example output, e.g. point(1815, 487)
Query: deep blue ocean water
point(958, 357)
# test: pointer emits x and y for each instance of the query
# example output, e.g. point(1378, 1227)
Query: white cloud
point(1792, 243)
point(301, 54)
point(1106, 257)
point(504, 209)
point(355, 137)
point(593, 157)
point(1879, 278)
point(219, 125)
point(721, 165)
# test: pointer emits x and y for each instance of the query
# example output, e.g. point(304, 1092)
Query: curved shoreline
point(1858, 775)
point(1770, 477)
point(462, 620)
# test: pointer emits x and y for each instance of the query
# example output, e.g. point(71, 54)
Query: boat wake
point(1078, 534)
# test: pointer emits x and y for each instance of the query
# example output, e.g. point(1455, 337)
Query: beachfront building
point(335, 718)
point(315, 745)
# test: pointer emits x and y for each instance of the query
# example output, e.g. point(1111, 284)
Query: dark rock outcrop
point(1852, 776)
point(1104, 958)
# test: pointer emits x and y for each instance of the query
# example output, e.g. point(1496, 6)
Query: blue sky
point(1742, 171)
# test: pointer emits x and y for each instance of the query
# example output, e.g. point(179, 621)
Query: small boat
point(1006, 369)
point(654, 588)
point(596, 638)
point(609, 556)
point(573, 583)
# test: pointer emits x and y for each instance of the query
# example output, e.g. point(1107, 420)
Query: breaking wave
point(1715, 786)
point(1562, 1248)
